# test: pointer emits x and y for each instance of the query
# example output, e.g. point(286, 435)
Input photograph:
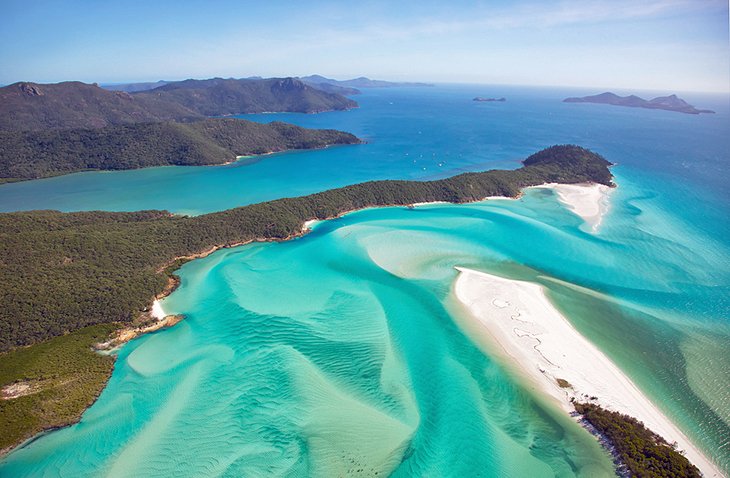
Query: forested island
point(72, 104)
point(69, 280)
point(668, 103)
point(51, 152)
point(48, 130)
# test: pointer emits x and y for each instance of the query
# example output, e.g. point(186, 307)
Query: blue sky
point(679, 45)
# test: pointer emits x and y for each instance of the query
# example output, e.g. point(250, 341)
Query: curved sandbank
point(589, 201)
point(518, 317)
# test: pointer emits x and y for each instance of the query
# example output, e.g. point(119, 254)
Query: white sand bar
point(540, 342)
point(589, 201)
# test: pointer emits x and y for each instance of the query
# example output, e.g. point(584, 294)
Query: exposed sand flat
point(589, 201)
point(542, 343)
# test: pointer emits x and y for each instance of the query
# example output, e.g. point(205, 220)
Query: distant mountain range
point(322, 82)
point(329, 85)
point(28, 106)
point(669, 103)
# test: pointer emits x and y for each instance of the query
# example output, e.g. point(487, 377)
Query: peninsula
point(668, 103)
point(64, 288)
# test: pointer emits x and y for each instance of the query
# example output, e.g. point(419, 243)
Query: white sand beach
point(518, 317)
point(307, 226)
point(416, 204)
point(157, 311)
point(589, 201)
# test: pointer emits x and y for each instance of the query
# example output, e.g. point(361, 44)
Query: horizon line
point(434, 83)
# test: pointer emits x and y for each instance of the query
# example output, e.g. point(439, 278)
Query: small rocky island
point(669, 103)
point(480, 98)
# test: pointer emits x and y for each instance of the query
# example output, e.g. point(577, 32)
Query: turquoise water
point(343, 353)
point(412, 133)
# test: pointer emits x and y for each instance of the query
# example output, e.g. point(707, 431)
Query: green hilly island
point(72, 104)
point(51, 152)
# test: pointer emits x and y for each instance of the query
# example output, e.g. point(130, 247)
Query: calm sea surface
point(344, 353)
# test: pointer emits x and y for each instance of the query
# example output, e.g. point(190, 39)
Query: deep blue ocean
point(342, 354)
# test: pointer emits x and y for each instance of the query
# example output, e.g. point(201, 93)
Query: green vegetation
point(66, 271)
point(38, 154)
point(73, 105)
point(644, 453)
point(60, 378)
point(562, 159)
point(62, 272)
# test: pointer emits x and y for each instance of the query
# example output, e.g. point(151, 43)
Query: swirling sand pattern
point(343, 354)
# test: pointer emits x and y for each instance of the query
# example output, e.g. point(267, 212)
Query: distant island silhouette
point(669, 103)
point(480, 98)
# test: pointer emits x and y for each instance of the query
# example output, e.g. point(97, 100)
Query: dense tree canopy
point(38, 154)
point(644, 453)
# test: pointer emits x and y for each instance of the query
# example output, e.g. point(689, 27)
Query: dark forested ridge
point(68, 279)
point(218, 96)
point(32, 106)
point(134, 87)
point(643, 453)
point(38, 154)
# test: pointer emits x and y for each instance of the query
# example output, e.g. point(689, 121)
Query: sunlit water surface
point(344, 353)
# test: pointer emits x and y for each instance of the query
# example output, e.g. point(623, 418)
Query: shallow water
point(344, 353)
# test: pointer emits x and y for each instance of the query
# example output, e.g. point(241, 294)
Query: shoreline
point(155, 310)
point(589, 201)
point(537, 340)
point(126, 334)
point(5, 181)
point(145, 322)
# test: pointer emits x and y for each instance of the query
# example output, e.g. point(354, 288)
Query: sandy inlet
point(588, 201)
